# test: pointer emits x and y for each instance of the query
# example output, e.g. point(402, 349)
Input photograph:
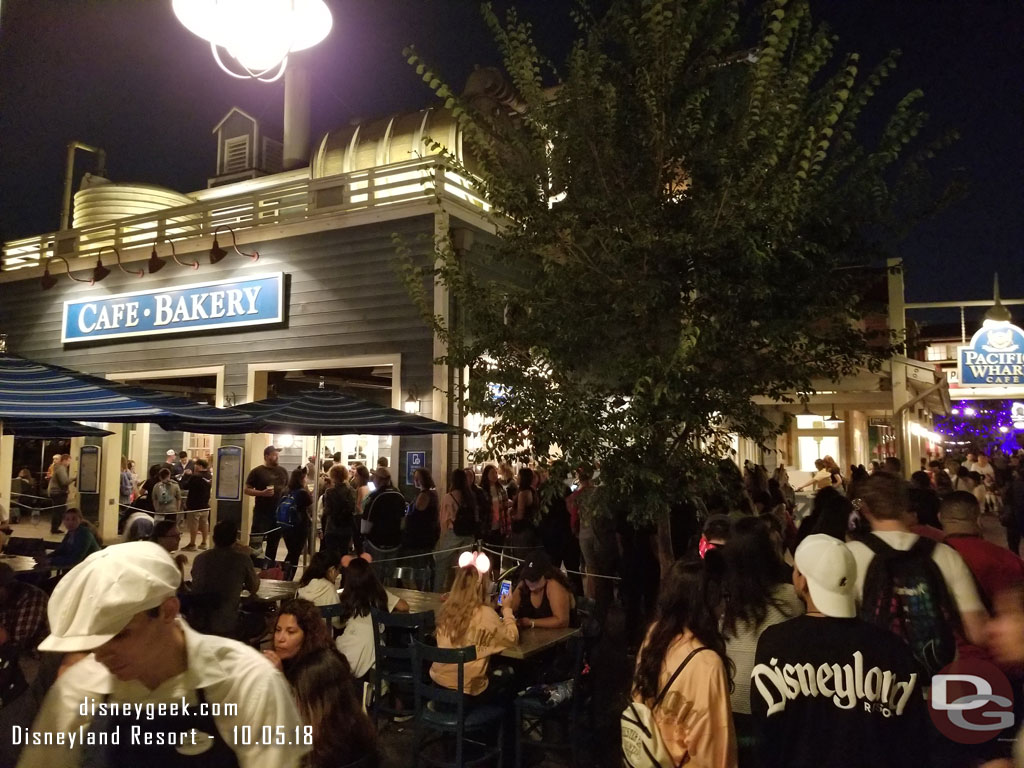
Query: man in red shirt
point(995, 568)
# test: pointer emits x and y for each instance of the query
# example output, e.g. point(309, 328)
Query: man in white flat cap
point(829, 690)
point(153, 692)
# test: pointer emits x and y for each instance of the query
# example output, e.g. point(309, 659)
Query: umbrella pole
point(316, 487)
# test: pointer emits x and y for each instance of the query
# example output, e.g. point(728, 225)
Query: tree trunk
point(663, 544)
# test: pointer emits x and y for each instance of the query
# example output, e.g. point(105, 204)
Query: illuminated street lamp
point(257, 34)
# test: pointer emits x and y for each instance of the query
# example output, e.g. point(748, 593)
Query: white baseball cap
point(99, 596)
point(831, 574)
point(171, 452)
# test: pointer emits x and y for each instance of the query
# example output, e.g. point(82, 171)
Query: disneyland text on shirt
point(847, 685)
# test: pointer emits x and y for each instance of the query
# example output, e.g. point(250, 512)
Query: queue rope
point(422, 554)
point(29, 496)
point(521, 560)
point(36, 509)
point(167, 514)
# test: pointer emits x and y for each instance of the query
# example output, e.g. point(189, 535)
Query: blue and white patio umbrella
point(41, 429)
point(314, 412)
point(37, 391)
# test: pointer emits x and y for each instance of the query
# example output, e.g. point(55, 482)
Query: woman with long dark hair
point(691, 708)
point(756, 597)
point(144, 499)
point(296, 535)
point(300, 631)
point(342, 733)
point(322, 683)
point(319, 583)
point(496, 524)
point(527, 501)
point(362, 591)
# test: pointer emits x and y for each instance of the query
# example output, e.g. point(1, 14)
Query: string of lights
point(983, 424)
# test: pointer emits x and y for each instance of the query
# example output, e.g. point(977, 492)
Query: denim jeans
point(383, 570)
point(445, 562)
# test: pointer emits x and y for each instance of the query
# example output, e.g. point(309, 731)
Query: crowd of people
point(145, 614)
point(777, 638)
point(826, 634)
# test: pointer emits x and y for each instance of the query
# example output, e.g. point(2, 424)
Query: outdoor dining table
point(274, 589)
point(21, 563)
point(531, 641)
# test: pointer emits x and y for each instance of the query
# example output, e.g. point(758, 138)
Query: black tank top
point(464, 523)
point(527, 610)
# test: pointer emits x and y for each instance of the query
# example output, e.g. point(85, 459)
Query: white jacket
point(321, 592)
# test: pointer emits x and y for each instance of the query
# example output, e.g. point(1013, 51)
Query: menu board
point(229, 473)
point(89, 469)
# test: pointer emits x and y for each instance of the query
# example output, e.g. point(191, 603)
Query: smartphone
point(506, 588)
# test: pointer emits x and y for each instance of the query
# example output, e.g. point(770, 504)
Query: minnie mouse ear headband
point(476, 559)
point(349, 558)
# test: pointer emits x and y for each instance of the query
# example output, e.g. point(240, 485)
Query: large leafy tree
point(684, 208)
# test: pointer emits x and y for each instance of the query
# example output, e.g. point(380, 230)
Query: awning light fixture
point(48, 281)
point(99, 272)
point(156, 263)
point(217, 253)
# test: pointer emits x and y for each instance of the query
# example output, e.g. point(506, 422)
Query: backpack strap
point(875, 543)
point(923, 546)
point(675, 674)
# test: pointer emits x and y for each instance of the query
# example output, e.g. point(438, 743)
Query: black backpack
point(464, 523)
point(906, 594)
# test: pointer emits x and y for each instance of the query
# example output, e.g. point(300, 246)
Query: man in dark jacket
point(385, 508)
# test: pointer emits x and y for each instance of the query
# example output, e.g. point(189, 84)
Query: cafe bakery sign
point(221, 304)
point(995, 356)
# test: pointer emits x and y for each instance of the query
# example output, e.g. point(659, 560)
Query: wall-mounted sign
point(229, 473)
point(995, 356)
point(89, 469)
point(220, 304)
point(414, 460)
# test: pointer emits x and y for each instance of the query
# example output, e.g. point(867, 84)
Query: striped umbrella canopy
point(36, 391)
point(315, 412)
point(40, 429)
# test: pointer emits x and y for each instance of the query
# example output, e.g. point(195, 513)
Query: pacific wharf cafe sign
point(235, 303)
point(995, 356)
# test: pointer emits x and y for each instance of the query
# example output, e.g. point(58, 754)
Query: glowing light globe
point(257, 34)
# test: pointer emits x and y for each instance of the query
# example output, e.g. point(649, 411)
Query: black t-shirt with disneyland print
point(836, 693)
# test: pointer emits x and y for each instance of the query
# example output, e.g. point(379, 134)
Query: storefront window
point(813, 441)
point(811, 448)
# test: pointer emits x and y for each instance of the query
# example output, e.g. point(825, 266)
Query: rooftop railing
point(286, 203)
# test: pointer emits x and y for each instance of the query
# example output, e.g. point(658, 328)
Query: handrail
point(273, 205)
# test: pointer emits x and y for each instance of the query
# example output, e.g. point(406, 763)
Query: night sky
point(126, 76)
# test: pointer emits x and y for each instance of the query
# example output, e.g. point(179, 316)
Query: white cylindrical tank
point(101, 201)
